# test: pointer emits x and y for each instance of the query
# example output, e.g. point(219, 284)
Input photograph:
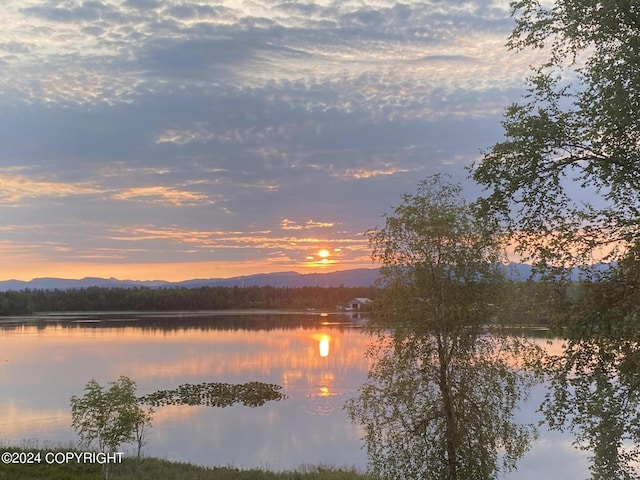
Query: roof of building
point(362, 299)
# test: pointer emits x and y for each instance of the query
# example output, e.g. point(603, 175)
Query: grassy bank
point(156, 469)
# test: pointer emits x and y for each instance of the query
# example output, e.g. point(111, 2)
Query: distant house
point(356, 304)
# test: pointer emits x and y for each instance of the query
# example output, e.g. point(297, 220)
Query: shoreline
point(101, 315)
point(60, 462)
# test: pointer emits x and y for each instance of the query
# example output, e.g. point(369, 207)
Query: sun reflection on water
point(324, 346)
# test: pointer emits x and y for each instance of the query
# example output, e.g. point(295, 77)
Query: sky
point(178, 139)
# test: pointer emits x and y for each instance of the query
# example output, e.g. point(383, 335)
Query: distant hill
point(361, 277)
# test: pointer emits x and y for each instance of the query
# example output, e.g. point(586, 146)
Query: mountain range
point(361, 277)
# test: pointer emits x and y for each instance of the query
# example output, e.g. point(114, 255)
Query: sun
point(323, 257)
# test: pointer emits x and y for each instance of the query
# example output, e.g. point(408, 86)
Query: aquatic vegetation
point(216, 394)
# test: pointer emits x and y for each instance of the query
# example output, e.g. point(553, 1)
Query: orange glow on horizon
point(172, 272)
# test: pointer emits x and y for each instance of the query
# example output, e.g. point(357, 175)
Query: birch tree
point(441, 395)
point(565, 180)
point(108, 417)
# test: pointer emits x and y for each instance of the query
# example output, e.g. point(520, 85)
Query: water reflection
point(47, 363)
point(42, 365)
point(324, 346)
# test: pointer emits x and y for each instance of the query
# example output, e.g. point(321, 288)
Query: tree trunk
point(449, 413)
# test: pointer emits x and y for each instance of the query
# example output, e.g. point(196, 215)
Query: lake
point(317, 359)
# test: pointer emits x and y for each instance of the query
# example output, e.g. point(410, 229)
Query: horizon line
point(188, 279)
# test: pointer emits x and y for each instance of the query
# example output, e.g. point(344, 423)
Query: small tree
point(109, 416)
point(142, 430)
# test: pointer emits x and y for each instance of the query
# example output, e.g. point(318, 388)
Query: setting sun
point(324, 257)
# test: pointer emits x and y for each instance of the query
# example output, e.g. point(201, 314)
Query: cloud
point(365, 173)
point(87, 11)
point(286, 224)
point(256, 43)
point(15, 190)
point(163, 196)
point(143, 4)
point(447, 58)
point(188, 114)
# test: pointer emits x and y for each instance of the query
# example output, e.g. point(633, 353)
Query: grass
point(157, 469)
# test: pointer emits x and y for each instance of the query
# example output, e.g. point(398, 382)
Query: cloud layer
point(215, 138)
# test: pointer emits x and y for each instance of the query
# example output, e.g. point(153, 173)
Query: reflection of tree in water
point(595, 382)
point(440, 395)
point(249, 320)
point(595, 393)
point(431, 409)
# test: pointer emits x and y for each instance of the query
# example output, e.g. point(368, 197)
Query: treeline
point(26, 302)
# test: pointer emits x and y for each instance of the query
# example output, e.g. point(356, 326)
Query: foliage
point(252, 394)
point(438, 261)
point(419, 427)
point(594, 382)
point(163, 299)
point(108, 416)
point(440, 395)
point(594, 392)
point(566, 184)
point(142, 430)
point(578, 126)
point(113, 416)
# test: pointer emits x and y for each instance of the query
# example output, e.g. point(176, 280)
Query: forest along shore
point(92, 299)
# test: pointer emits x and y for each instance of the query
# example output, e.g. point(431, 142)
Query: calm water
point(318, 360)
